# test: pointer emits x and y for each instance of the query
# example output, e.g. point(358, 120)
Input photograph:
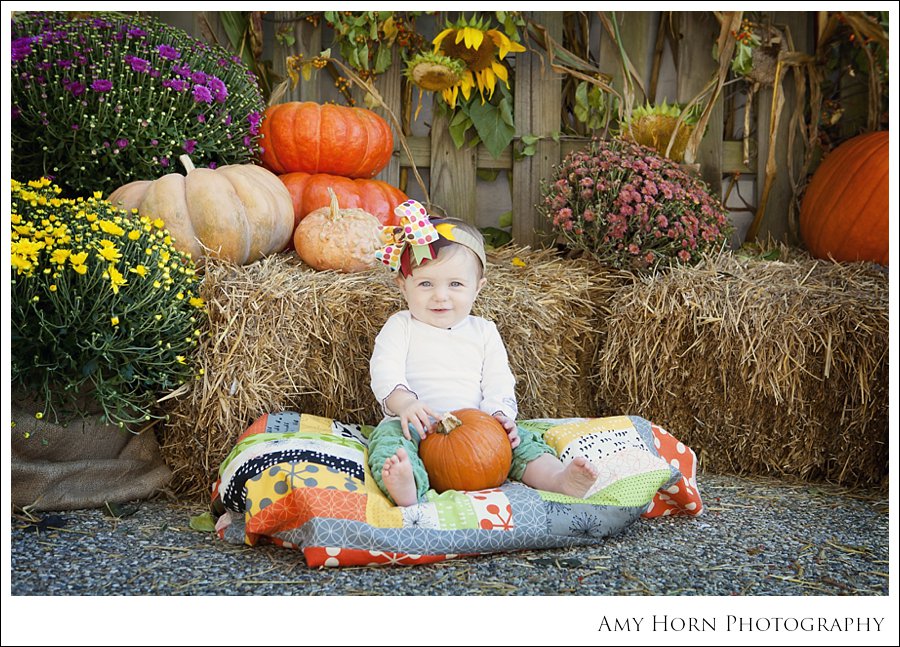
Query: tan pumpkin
point(331, 238)
point(239, 212)
point(467, 449)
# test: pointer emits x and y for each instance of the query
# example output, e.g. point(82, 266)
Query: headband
point(417, 232)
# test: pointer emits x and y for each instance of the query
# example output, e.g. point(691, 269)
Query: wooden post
point(452, 176)
point(388, 86)
point(698, 31)
point(307, 41)
point(635, 31)
point(776, 196)
point(538, 105)
point(208, 27)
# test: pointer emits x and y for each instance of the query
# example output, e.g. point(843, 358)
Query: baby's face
point(441, 292)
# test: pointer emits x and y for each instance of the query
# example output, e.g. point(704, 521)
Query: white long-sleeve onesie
point(465, 366)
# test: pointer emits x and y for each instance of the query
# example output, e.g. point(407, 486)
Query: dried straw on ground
point(759, 366)
point(282, 337)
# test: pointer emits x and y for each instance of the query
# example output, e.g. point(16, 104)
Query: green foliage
point(492, 122)
point(104, 307)
point(594, 107)
point(366, 39)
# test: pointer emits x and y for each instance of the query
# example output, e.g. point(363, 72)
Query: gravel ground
point(758, 537)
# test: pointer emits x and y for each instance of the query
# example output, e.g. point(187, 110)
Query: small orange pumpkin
point(332, 238)
point(467, 449)
point(844, 213)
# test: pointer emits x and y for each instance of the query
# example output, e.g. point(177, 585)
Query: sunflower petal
point(501, 72)
point(440, 37)
point(489, 80)
point(474, 37)
point(450, 96)
point(501, 41)
point(466, 85)
point(504, 44)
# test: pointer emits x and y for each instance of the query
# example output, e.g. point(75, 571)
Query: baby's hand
point(417, 414)
point(511, 429)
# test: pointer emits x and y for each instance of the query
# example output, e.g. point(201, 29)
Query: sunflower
point(481, 50)
point(434, 72)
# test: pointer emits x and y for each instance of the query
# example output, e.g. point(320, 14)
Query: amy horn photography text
point(803, 624)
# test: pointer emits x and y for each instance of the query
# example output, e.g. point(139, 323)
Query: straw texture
point(282, 336)
point(759, 366)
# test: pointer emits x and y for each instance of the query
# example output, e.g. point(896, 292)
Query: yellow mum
point(109, 251)
point(116, 279)
point(59, 256)
point(111, 228)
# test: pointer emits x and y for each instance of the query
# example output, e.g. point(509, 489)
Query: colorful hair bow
point(414, 230)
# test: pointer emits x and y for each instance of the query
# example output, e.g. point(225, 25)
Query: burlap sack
point(82, 465)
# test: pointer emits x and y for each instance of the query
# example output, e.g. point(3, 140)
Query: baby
point(436, 357)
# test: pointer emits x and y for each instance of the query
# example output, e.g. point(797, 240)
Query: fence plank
point(388, 86)
point(699, 31)
point(452, 173)
point(538, 105)
point(634, 30)
point(774, 219)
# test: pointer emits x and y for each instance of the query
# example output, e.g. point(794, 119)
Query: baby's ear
point(399, 280)
point(481, 283)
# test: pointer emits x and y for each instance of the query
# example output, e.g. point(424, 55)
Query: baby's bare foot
point(577, 477)
point(398, 478)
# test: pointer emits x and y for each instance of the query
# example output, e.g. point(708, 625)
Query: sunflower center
point(475, 59)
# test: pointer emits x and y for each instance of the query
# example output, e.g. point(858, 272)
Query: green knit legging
point(387, 438)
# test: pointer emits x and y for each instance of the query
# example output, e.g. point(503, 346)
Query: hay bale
point(759, 366)
point(281, 336)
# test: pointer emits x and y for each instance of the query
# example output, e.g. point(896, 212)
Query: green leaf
point(494, 237)
point(487, 174)
point(89, 367)
point(494, 124)
point(364, 56)
point(506, 219)
point(459, 124)
point(235, 25)
point(382, 58)
point(203, 522)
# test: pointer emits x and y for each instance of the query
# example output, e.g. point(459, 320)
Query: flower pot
point(83, 464)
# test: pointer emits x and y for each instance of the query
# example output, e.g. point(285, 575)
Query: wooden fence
point(538, 96)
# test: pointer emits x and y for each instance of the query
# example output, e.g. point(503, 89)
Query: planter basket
point(82, 465)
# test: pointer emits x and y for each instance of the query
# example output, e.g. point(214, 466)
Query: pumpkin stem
point(447, 424)
point(186, 163)
point(334, 207)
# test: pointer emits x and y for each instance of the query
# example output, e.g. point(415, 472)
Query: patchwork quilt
point(302, 481)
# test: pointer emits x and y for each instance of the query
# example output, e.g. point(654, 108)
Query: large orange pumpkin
point(239, 212)
point(310, 192)
point(844, 214)
point(466, 450)
point(324, 138)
